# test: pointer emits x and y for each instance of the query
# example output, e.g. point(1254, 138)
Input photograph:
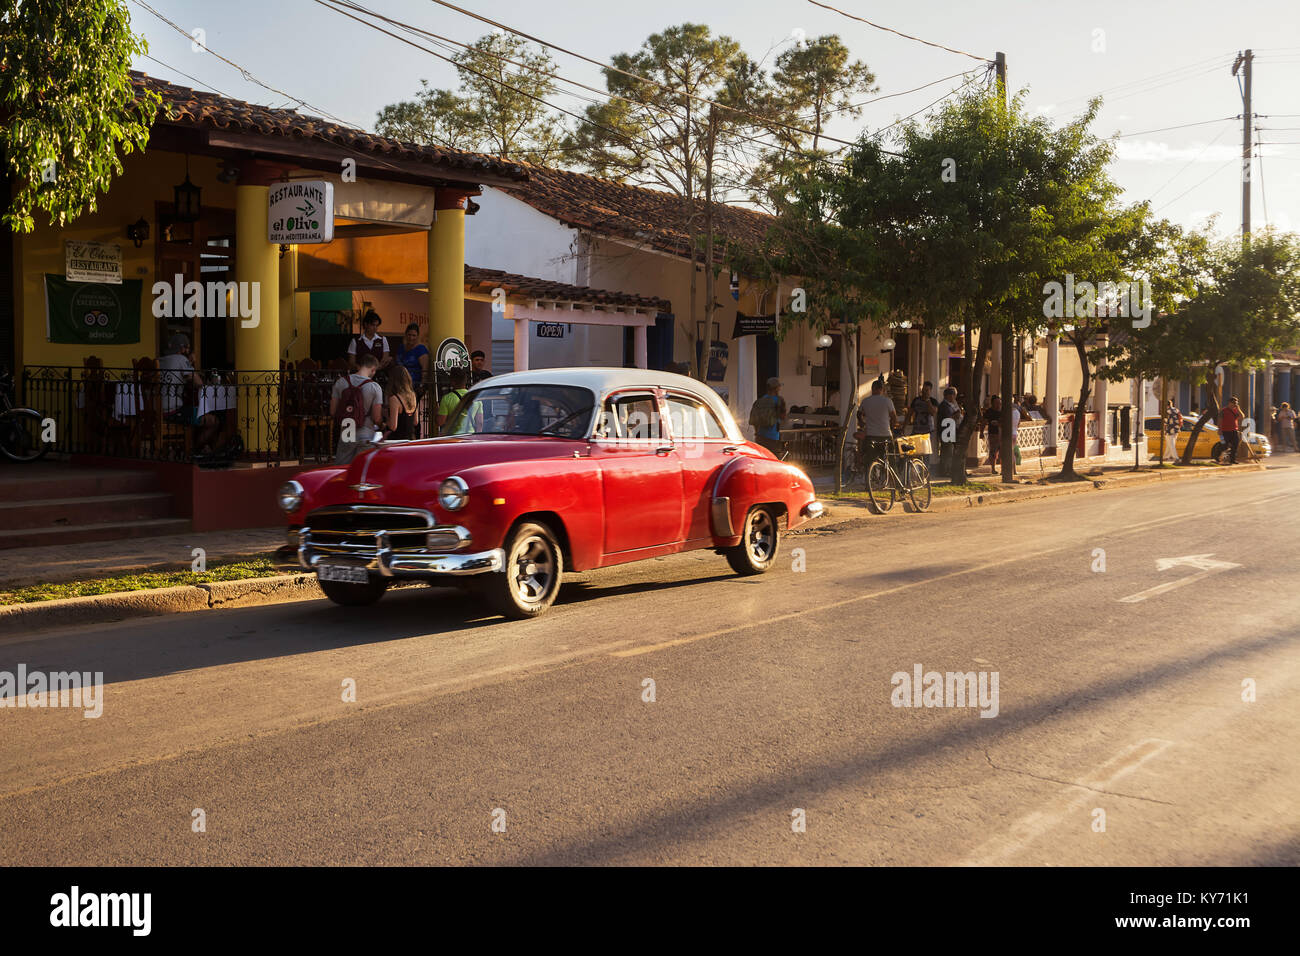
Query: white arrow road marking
point(1205, 562)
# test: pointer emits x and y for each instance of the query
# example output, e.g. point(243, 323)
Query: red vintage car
point(542, 472)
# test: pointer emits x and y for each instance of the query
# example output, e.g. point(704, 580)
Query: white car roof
point(602, 381)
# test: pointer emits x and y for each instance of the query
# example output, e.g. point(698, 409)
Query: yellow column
point(447, 268)
point(257, 336)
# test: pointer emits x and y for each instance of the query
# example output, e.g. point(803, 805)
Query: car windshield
point(534, 409)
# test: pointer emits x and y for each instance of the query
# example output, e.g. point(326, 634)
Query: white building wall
point(511, 235)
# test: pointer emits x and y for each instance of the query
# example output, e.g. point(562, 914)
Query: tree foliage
point(498, 109)
point(67, 104)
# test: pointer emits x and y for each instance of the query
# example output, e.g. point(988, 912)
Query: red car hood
point(409, 472)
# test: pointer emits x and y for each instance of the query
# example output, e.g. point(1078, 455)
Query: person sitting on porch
point(176, 372)
point(369, 342)
point(413, 355)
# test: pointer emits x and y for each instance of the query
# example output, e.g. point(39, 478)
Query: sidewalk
point(53, 564)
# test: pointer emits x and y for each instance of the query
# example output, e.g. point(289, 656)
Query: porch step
point(70, 534)
point(33, 483)
point(53, 513)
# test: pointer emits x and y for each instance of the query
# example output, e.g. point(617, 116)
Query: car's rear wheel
point(1217, 453)
point(354, 595)
point(760, 540)
point(530, 582)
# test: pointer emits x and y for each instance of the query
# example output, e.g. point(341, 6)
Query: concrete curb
point(17, 619)
point(836, 510)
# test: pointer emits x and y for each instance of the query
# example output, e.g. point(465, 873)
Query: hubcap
point(762, 537)
point(534, 569)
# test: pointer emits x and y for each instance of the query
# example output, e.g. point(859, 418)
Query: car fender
point(748, 480)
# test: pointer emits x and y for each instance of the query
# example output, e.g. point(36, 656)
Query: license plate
point(339, 572)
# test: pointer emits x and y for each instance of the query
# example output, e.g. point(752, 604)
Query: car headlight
point(453, 493)
point(290, 496)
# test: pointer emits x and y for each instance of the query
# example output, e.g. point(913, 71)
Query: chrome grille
point(356, 529)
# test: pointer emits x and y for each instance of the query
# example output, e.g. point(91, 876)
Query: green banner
point(92, 313)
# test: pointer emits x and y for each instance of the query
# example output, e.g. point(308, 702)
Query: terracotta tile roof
point(629, 212)
point(485, 280)
point(196, 108)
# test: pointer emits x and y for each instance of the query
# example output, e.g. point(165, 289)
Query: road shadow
point(659, 834)
point(170, 644)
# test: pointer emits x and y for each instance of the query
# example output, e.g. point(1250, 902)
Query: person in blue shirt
point(414, 355)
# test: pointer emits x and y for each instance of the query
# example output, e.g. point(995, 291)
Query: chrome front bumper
point(813, 509)
point(387, 562)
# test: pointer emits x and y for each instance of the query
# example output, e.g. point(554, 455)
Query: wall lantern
point(825, 341)
point(138, 232)
point(187, 197)
point(888, 345)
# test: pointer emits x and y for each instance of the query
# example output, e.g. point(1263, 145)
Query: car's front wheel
point(759, 542)
point(530, 582)
point(349, 594)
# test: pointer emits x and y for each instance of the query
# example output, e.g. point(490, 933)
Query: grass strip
point(140, 581)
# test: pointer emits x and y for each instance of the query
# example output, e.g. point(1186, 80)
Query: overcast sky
point(1158, 63)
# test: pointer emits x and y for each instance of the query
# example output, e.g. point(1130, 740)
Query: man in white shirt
point(369, 342)
point(877, 418)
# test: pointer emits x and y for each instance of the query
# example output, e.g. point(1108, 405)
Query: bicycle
point(898, 473)
point(20, 428)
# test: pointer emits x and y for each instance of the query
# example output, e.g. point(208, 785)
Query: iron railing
point(275, 416)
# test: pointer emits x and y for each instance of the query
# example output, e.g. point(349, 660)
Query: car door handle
point(664, 450)
point(730, 450)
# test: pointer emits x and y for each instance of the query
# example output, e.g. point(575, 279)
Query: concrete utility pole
point(1243, 63)
point(1008, 339)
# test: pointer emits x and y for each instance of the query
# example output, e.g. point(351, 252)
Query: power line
point(192, 79)
point(1194, 185)
point(1165, 129)
point(1188, 163)
point(610, 68)
point(906, 36)
point(924, 108)
point(245, 73)
point(763, 122)
point(1263, 196)
point(1217, 59)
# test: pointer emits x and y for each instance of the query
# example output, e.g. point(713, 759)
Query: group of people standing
point(382, 391)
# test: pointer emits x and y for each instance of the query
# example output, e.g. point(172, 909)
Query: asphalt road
point(773, 703)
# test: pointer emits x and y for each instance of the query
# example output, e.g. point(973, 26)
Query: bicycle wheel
point(20, 434)
point(879, 488)
point(918, 482)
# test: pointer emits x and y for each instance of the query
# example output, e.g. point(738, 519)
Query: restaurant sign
point(86, 261)
point(300, 212)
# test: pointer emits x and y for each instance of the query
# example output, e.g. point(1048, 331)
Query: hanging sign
point(753, 325)
point(86, 261)
point(451, 354)
point(300, 212)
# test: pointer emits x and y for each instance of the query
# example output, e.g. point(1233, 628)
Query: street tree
point(68, 107)
point(657, 130)
point(499, 107)
point(1246, 307)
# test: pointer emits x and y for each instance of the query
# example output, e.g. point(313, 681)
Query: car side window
point(629, 417)
point(692, 419)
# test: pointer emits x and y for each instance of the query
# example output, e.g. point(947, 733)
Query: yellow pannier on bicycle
point(914, 445)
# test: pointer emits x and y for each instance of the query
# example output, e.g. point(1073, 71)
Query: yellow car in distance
point(1208, 443)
